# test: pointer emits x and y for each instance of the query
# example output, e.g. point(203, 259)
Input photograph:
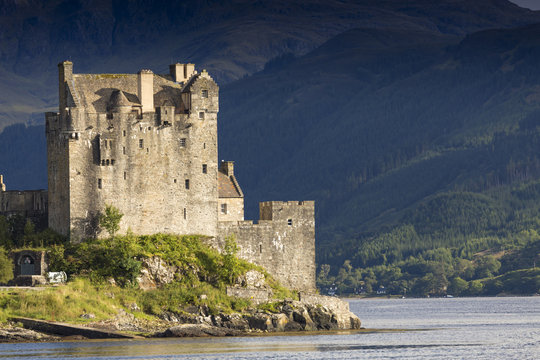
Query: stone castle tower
point(147, 144)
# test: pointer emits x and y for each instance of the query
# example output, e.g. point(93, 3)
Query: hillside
point(414, 127)
point(232, 38)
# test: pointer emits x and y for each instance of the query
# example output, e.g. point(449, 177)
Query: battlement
point(286, 210)
point(282, 241)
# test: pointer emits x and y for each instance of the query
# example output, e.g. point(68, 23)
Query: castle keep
point(147, 144)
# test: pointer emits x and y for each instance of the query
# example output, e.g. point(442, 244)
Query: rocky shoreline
point(312, 313)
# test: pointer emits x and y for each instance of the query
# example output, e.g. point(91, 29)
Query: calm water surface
point(458, 328)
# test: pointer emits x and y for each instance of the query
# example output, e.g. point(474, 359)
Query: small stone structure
point(30, 267)
point(31, 204)
point(147, 144)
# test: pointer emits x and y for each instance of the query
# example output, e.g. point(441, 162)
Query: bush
point(6, 267)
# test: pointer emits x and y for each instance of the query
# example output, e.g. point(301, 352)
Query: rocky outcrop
point(199, 330)
point(11, 333)
point(155, 272)
point(313, 313)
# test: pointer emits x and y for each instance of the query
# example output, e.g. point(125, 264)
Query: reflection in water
point(493, 328)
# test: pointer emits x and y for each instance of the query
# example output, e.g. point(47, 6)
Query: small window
point(141, 143)
point(112, 161)
point(99, 183)
point(201, 115)
point(223, 208)
point(175, 181)
point(185, 214)
point(102, 162)
point(289, 222)
point(104, 144)
point(149, 128)
point(187, 184)
point(260, 248)
point(204, 93)
point(183, 142)
point(125, 175)
point(110, 144)
point(107, 162)
point(147, 150)
point(124, 132)
point(124, 150)
point(204, 145)
point(204, 168)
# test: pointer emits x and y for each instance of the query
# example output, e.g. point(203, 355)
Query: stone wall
point(161, 175)
point(283, 241)
point(233, 211)
point(31, 204)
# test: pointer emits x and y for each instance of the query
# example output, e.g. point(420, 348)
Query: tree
point(457, 286)
point(6, 267)
point(110, 220)
point(5, 236)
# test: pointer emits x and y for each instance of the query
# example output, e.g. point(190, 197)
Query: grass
point(202, 278)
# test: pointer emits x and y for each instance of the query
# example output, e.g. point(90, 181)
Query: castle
point(147, 144)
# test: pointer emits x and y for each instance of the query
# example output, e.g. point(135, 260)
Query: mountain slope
point(231, 38)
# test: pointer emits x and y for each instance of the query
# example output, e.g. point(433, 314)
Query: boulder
point(155, 272)
point(198, 330)
point(260, 322)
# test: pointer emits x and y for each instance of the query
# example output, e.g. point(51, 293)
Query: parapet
point(286, 210)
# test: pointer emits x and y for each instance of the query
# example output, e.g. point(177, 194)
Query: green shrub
point(6, 267)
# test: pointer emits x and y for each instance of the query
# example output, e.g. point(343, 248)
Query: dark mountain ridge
point(414, 127)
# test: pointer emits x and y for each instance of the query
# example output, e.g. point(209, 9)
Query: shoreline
point(47, 338)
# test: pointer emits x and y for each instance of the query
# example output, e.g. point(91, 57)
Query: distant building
point(147, 144)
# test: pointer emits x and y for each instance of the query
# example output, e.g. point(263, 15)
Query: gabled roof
point(228, 187)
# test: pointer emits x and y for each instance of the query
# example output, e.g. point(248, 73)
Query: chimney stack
point(181, 72)
point(227, 167)
point(65, 74)
point(2, 185)
point(146, 90)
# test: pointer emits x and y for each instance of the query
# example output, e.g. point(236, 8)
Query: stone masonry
point(147, 144)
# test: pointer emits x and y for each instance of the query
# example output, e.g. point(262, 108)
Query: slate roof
point(93, 91)
point(227, 187)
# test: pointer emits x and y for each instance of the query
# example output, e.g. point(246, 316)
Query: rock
point(301, 316)
point(234, 321)
point(88, 316)
point(198, 330)
point(323, 318)
point(134, 307)
point(253, 278)
point(10, 333)
point(339, 309)
point(203, 297)
point(280, 321)
point(111, 281)
point(155, 272)
point(145, 280)
point(260, 322)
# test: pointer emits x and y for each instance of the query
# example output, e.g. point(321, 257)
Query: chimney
point(146, 90)
point(65, 74)
point(227, 167)
point(2, 185)
point(181, 72)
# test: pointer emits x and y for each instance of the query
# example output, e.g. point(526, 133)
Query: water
point(458, 328)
